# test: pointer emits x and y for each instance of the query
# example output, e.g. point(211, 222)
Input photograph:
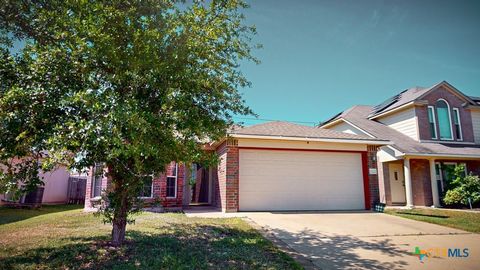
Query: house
point(270, 166)
point(432, 130)
point(55, 189)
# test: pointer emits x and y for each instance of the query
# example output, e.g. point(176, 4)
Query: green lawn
point(456, 219)
point(63, 237)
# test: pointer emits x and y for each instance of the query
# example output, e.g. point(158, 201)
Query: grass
point(466, 221)
point(64, 237)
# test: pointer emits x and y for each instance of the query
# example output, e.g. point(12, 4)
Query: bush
point(453, 196)
point(466, 191)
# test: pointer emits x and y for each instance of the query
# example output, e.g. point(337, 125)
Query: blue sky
point(321, 57)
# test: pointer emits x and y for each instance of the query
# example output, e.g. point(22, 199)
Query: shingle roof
point(398, 100)
point(358, 116)
point(287, 129)
point(476, 99)
point(403, 98)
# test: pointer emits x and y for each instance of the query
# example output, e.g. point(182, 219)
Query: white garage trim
point(261, 170)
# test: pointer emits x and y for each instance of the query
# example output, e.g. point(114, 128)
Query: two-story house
point(432, 129)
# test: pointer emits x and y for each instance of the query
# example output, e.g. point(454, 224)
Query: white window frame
point(449, 117)
point(439, 176)
point(94, 181)
point(176, 182)
point(432, 108)
point(456, 164)
point(457, 114)
point(151, 190)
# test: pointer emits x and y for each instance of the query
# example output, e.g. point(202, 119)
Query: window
point(444, 120)
point(432, 122)
point(172, 183)
point(97, 180)
point(456, 122)
point(448, 173)
point(147, 187)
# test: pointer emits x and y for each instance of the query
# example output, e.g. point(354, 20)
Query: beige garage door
point(298, 180)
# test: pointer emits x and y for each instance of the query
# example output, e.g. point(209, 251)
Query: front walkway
point(363, 240)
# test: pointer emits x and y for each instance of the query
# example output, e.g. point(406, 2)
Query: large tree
point(131, 84)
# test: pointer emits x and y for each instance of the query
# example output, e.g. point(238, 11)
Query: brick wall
point(220, 179)
point(473, 166)
point(373, 178)
point(386, 183)
point(454, 102)
point(159, 187)
point(421, 184)
point(227, 177)
point(106, 184)
point(88, 189)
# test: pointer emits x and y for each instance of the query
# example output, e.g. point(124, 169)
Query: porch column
point(433, 179)
point(408, 182)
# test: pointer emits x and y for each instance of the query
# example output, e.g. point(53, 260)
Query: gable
point(454, 98)
point(404, 121)
point(345, 127)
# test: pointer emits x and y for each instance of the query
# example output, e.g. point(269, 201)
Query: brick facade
point(373, 178)
point(421, 180)
point(421, 184)
point(473, 166)
point(159, 188)
point(89, 203)
point(385, 180)
point(225, 180)
point(454, 102)
point(227, 177)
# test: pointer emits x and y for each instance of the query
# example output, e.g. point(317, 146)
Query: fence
point(76, 189)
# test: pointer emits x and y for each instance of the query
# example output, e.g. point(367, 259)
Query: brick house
point(270, 166)
point(432, 130)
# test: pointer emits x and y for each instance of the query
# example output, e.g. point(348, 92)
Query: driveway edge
point(300, 258)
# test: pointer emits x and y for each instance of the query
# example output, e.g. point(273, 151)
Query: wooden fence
point(76, 189)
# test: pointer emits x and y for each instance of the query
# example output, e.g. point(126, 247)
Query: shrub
point(466, 191)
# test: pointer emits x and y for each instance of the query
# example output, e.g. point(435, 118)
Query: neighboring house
point(55, 188)
point(432, 130)
point(271, 166)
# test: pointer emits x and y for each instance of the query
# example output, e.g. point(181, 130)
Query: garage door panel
point(295, 180)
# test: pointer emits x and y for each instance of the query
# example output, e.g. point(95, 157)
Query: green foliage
point(453, 196)
point(463, 188)
point(63, 237)
point(132, 84)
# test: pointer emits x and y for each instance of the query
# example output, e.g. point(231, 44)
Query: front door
point(397, 183)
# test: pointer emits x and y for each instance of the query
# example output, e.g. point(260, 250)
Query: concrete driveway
point(366, 240)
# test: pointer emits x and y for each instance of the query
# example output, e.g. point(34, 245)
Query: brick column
point(227, 176)
point(373, 177)
point(232, 177)
point(88, 189)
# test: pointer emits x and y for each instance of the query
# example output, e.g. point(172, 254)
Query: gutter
point(335, 140)
point(441, 155)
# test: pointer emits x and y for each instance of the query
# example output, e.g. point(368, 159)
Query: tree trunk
point(119, 226)
point(119, 221)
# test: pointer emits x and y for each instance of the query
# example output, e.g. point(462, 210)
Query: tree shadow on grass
point(344, 251)
point(10, 215)
point(172, 246)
